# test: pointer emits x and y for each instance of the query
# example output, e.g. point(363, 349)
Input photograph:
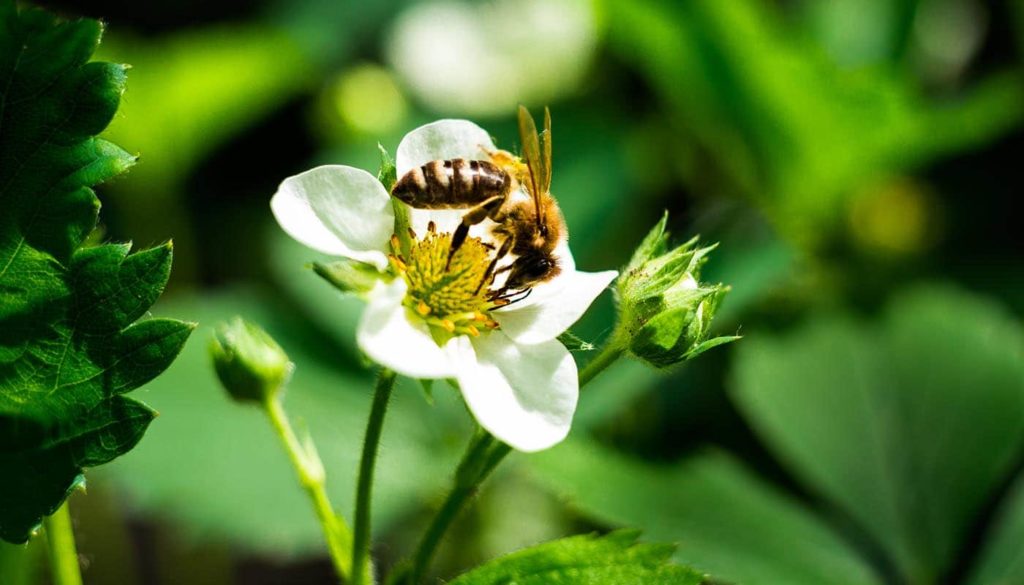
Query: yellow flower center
point(451, 297)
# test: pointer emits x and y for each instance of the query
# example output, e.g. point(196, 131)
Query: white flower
point(459, 56)
point(518, 380)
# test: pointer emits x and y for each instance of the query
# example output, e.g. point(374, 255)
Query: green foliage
point(1017, 9)
point(616, 559)
point(787, 125)
point(68, 347)
point(236, 464)
point(907, 425)
point(729, 524)
point(192, 91)
point(325, 307)
point(1002, 561)
point(18, 563)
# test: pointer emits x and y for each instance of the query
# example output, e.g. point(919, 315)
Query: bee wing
point(545, 162)
point(532, 153)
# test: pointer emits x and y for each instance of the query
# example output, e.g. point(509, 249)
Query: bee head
point(532, 268)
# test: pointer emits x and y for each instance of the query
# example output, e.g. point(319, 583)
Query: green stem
point(482, 456)
point(310, 471)
point(60, 538)
point(361, 572)
point(470, 473)
point(606, 357)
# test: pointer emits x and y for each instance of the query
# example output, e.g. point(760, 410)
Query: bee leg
point(503, 292)
point(457, 239)
point(501, 270)
point(505, 298)
point(472, 217)
point(490, 272)
point(522, 297)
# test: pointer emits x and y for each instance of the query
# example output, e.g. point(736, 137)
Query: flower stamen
point(397, 263)
point(443, 287)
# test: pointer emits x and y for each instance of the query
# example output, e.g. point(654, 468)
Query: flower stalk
point(310, 471)
point(254, 370)
point(60, 540)
point(482, 456)
point(362, 571)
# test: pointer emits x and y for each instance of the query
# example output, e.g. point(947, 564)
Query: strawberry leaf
point(615, 559)
point(69, 345)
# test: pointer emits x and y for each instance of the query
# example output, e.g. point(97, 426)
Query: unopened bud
point(664, 310)
point(250, 364)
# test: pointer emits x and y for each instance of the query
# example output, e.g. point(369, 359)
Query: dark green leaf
point(104, 303)
point(1002, 561)
point(615, 559)
point(727, 522)
point(907, 424)
point(68, 348)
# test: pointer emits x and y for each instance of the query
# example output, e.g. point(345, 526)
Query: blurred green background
point(859, 160)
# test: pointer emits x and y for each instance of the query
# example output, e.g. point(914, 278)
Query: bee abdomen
point(455, 183)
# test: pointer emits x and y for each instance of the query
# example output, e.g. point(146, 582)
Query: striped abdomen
point(455, 183)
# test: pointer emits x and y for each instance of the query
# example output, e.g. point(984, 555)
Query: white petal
point(337, 210)
point(564, 255)
point(387, 335)
point(445, 220)
point(442, 140)
point(558, 305)
point(524, 395)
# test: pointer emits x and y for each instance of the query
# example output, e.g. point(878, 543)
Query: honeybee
point(529, 227)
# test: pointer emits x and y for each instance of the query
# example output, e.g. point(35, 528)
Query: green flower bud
point(250, 364)
point(665, 312)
